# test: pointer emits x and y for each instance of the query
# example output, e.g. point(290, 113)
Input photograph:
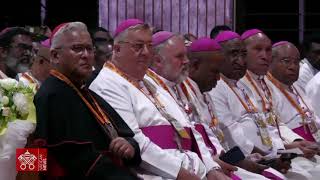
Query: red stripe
point(94, 163)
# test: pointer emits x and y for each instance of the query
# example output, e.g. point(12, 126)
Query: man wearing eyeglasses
point(159, 125)
point(258, 59)
point(103, 42)
point(16, 48)
point(82, 132)
point(292, 107)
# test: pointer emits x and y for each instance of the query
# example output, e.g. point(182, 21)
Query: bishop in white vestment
point(310, 65)
point(235, 107)
point(159, 126)
point(291, 105)
point(180, 92)
point(313, 93)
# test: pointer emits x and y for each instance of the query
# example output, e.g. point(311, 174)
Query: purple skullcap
point(161, 37)
point(280, 43)
point(125, 25)
point(46, 43)
point(226, 36)
point(204, 44)
point(250, 33)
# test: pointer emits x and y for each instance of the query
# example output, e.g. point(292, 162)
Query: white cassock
point(288, 136)
point(313, 93)
point(205, 117)
point(233, 115)
point(288, 114)
point(235, 122)
point(292, 118)
point(28, 79)
point(175, 92)
point(306, 73)
point(139, 112)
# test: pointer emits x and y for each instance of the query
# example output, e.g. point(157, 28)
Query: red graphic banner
point(31, 159)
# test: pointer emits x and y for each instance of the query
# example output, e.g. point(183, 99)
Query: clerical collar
point(129, 77)
point(255, 76)
point(79, 84)
point(110, 65)
point(194, 86)
point(285, 86)
point(167, 82)
point(228, 80)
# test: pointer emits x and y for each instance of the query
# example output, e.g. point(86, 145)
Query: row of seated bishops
point(146, 104)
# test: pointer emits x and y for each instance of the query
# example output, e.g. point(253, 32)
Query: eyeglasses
point(138, 47)
point(79, 48)
point(289, 61)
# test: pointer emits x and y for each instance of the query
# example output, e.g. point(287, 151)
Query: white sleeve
point(154, 159)
point(313, 93)
point(287, 134)
point(232, 130)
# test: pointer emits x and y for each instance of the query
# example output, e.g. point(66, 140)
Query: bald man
point(291, 105)
point(284, 71)
point(258, 59)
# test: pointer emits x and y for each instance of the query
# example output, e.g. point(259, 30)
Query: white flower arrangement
point(17, 122)
point(16, 103)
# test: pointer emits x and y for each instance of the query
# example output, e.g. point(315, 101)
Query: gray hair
point(69, 27)
point(160, 46)
point(275, 52)
point(123, 35)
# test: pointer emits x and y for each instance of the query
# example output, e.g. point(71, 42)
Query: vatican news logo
point(31, 159)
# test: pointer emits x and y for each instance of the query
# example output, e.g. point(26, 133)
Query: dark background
point(279, 19)
point(27, 12)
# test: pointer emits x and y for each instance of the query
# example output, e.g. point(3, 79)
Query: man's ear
point(157, 60)
point(54, 56)
point(194, 66)
point(116, 49)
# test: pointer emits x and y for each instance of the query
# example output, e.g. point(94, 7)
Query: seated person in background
point(103, 42)
point(16, 50)
point(217, 29)
point(170, 148)
point(189, 38)
point(39, 70)
point(310, 64)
